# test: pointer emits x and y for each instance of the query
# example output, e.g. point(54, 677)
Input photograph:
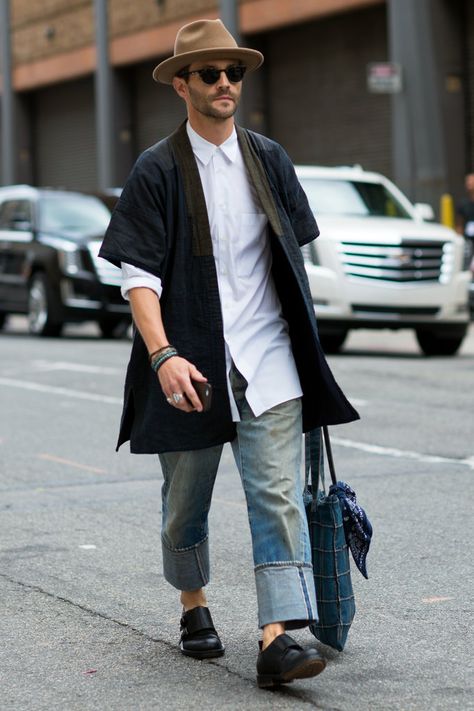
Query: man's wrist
point(159, 350)
point(161, 356)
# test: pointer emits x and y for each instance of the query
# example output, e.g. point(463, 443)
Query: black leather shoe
point(284, 660)
point(199, 638)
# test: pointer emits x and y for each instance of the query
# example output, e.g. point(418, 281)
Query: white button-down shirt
point(255, 332)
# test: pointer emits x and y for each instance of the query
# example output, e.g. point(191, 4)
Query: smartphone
point(204, 393)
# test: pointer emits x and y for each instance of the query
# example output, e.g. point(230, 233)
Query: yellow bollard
point(446, 210)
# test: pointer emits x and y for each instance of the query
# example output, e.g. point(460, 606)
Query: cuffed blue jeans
point(267, 451)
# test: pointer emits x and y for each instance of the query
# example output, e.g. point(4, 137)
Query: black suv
point(49, 268)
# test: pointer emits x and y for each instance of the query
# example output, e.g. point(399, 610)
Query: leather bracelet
point(160, 350)
point(159, 360)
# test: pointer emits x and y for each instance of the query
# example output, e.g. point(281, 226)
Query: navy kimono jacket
point(160, 224)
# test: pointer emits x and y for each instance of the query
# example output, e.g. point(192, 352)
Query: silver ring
point(177, 397)
point(169, 400)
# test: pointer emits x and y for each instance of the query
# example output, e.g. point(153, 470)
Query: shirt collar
point(204, 150)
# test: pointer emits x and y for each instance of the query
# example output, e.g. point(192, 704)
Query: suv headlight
point(70, 261)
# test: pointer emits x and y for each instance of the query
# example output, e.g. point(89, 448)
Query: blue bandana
point(357, 527)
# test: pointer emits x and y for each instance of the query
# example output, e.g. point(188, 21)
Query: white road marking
point(76, 367)
point(77, 465)
point(351, 444)
point(87, 547)
point(401, 453)
point(431, 600)
point(357, 402)
point(66, 392)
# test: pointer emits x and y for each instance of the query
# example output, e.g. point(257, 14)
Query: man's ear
point(179, 85)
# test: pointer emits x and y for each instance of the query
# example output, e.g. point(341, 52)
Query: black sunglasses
point(210, 75)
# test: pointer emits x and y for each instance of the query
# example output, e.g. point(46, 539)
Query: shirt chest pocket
point(252, 251)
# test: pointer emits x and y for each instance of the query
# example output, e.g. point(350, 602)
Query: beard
point(204, 104)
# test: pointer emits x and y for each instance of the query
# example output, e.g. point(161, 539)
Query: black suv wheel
point(433, 343)
point(41, 307)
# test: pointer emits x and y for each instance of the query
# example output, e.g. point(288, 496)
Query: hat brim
point(165, 71)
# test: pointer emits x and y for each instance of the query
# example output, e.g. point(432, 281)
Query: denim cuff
point(285, 593)
point(187, 568)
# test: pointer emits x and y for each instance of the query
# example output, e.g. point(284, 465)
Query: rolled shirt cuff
point(133, 277)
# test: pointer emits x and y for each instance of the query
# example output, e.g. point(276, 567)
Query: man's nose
point(223, 80)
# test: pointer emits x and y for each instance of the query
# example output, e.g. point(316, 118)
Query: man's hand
point(175, 374)
point(175, 379)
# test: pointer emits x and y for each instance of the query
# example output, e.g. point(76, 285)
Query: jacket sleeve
point(296, 203)
point(136, 233)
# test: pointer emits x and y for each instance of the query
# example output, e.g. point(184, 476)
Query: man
point(208, 232)
point(465, 210)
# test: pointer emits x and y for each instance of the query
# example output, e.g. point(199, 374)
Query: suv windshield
point(352, 198)
point(73, 213)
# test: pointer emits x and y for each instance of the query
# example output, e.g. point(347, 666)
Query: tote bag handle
point(327, 443)
point(314, 458)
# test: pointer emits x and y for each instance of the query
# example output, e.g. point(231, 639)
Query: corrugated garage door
point(158, 109)
point(318, 104)
point(64, 136)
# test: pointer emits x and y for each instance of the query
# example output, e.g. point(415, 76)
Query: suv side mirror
point(19, 223)
point(424, 211)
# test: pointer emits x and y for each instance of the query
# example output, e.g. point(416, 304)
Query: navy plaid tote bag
point(330, 552)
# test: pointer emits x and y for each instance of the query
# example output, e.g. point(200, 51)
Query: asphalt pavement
point(87, 620)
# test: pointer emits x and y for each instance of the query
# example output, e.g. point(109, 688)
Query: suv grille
point(107, 273)
point(409, 261)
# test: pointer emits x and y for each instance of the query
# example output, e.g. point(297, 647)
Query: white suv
point(378, 262)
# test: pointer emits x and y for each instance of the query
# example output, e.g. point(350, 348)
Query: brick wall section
point(24, 12)
point(73, 26)
point(72, 29)
point(125, 17)
point(73, 22)
point(318, 103)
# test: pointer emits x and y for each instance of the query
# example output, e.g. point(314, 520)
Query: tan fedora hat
point(204, 39)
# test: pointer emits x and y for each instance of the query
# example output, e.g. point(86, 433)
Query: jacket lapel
point(259, 180)
point(193, 192)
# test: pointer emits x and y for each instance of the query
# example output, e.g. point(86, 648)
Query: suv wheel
point(40, 306)
point(438, 344)
point(332, 341)
point(3, 318)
